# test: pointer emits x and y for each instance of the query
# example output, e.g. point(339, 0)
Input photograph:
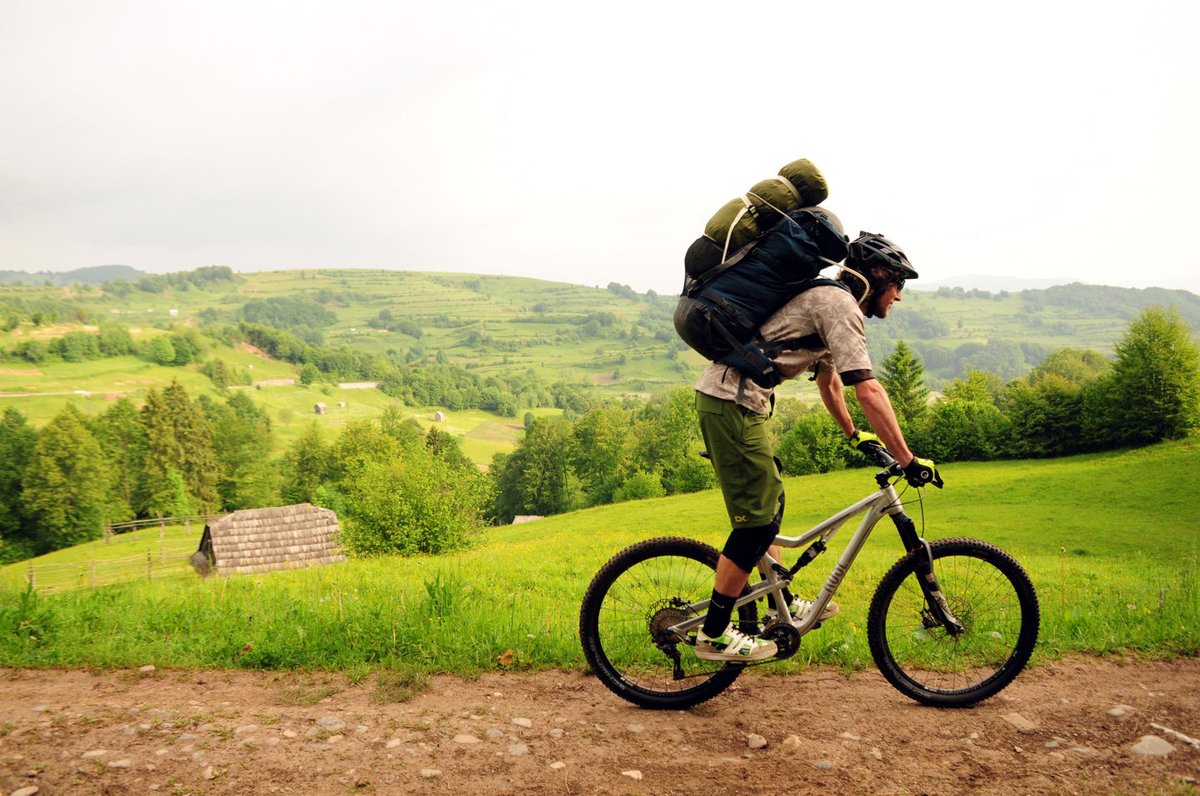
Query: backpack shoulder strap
point(809, 341)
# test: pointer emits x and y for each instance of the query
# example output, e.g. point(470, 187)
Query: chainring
point(786, 638)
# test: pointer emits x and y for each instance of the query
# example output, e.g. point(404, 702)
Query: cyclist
point(733, 411)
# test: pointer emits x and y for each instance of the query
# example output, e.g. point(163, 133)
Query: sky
point(590, 142)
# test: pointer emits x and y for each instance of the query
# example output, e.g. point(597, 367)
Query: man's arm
point(878, 409)
point(829, 384)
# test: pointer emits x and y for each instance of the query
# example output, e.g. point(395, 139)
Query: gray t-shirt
point(826, 310)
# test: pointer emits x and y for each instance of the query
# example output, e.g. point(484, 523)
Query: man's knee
point(746, 546)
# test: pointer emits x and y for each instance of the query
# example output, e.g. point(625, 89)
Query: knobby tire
point(639, 592)
point(993, 597)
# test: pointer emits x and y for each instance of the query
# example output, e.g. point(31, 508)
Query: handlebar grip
point(879, 456)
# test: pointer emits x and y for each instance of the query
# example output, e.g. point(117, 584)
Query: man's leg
point(742, 551)
point(740, 452)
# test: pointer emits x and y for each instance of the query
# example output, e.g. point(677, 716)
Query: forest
point(406, 490)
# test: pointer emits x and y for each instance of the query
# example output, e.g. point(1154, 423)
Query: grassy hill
point(1109, 540)
point(39, 392)
point(611, 339)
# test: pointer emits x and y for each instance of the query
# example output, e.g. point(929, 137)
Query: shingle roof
point(285, 537)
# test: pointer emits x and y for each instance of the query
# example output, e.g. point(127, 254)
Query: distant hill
point(997, 283)
point(990, 282)
point(613, 339)
point(94, 275)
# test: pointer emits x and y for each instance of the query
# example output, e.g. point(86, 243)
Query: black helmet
point(869, 250)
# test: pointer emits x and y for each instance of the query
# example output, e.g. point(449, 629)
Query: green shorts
point(741, 455)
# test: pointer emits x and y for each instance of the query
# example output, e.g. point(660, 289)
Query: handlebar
point(880, 456)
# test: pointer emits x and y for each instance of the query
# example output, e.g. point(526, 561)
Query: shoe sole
point(720, 656)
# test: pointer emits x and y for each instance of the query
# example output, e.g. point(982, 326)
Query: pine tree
point(241, 436)
point(122, 438)
point(17, 439)
point(66, 484)
point(198, 461)
point(155, 493)
point(903, 376)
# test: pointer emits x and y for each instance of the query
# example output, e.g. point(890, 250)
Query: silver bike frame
point(883, 502)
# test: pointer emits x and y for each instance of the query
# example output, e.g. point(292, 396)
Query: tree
point(1046, 415)
point(122, 438)
point(446, 447)
point(1155, 379)
point(667, 440)
point(603, 444)
point(161, 351)
point(187, 345)
point(307, 466)
point(309, 373)
point(536, 478)
point(17, 439)
point(978, 387)
point(155, 495)
point(903, 376)
point(66, 483)
point(76, 347)
point(408, 505)
point(218, 371)
point(179, 440)
point(115, 341)
point(1076, 366)
point(241, 438)
point(198, 464)
point(963, 430)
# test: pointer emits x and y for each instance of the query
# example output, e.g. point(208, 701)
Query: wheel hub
point(664, 615)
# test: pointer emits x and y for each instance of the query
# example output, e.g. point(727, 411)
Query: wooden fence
point(156, 549)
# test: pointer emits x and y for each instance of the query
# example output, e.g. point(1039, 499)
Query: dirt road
point(1077, 726)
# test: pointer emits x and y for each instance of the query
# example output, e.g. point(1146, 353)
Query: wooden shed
point(261, 540)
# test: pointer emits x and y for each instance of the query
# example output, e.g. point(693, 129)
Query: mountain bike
point(950, 624)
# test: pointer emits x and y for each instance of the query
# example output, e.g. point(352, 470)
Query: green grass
point(1110, 542)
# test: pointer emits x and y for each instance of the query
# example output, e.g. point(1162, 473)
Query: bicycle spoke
point(984, 592)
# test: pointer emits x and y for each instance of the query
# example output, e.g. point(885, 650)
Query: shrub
point(408, 505)
point(639, 486)
point(813, 445)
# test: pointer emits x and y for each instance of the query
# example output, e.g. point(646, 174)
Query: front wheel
point(990, 595)
point(625, 619)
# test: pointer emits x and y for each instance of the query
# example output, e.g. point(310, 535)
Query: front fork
point(938, 608)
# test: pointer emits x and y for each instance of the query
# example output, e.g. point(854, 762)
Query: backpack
point(722, 306)
point(743, 220)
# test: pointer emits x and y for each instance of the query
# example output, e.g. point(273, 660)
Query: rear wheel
point(627, 610)
point(987, 591)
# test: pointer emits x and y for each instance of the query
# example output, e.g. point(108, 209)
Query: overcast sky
point(590, 142)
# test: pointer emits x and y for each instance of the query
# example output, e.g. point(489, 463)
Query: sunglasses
point(899, 283)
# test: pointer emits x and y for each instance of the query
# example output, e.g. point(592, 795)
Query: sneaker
point(733, 645)
point(800, 609)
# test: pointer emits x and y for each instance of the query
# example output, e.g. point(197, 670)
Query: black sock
point(787, 596)
point(720, 610)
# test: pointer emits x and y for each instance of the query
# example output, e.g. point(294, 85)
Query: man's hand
point(865, 441)
point(872, 447)
point(922, 472)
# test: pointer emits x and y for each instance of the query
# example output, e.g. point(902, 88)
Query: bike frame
point(876, 506)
